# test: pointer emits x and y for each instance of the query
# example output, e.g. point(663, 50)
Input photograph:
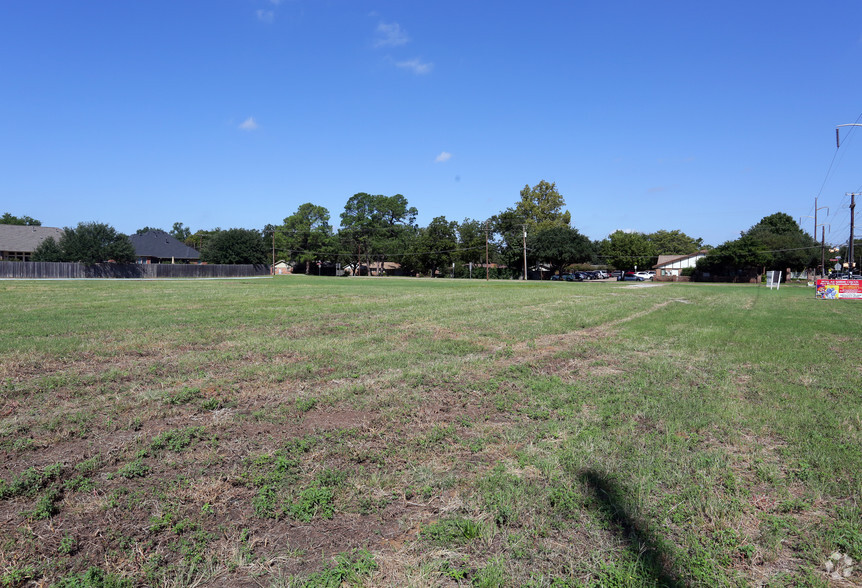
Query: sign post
point(773, 280)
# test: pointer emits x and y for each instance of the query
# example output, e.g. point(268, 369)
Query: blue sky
point(697, 116)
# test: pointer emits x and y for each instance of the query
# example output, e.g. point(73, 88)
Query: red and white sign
point(839, 289)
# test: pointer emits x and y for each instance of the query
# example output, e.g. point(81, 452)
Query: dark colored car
point(630, 277)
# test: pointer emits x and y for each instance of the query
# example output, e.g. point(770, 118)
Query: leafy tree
point(788, 246)
point(625, 250)
point(11, 219)
point(180, 232)
point(89, 242)
point(435, 246)
point(541, 206)
point(843, 253)
point(775, 243)
point(235, 246)
point(376, 225)
point(200, 236)
point(48, 250)
point(306, 234)
point(148, 230)
point(508, 229)
point(674, 243)
point(471, 241)
point(560, 246)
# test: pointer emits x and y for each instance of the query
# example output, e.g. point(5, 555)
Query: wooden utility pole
point(823, 251)
point(850, 251)
point(822, 266)
point(487, 270)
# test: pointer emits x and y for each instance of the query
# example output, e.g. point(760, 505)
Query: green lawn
point(301, 431)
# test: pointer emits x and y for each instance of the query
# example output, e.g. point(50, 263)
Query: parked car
point(601, 275)
point(630, 277)
point(645, 275)
point(617, 274)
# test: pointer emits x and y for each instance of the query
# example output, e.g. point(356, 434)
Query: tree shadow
point(653, 556)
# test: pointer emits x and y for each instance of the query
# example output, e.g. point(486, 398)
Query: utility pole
point(525, 253)
point(822, 250)
point(850, 251)
point(852, 198)
point(487, 270)
point(822, 255)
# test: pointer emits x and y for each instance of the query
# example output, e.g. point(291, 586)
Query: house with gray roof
point(18, 242)
point(160, 247)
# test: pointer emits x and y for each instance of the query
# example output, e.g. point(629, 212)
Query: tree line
point(375, 229)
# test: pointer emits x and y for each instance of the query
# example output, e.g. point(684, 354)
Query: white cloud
point(265, 15)
point(416, 66)
point(390, 35)
point(444, 156)
point(248, 124)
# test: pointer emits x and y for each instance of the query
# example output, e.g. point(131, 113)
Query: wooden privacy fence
point(60, 270)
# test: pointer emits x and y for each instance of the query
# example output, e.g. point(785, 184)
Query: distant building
point(672, 265)
point(18, 242)
point(281, 268)
point(160, 247)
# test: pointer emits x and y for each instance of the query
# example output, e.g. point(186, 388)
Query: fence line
point(35, 270)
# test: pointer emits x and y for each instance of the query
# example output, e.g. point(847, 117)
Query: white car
point(645, 275)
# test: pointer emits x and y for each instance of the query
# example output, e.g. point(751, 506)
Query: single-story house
point(18, 242)
point(281, 268)
point(672, 265)
point(160, 247)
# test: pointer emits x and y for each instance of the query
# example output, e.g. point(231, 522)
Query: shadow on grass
point(653, 557)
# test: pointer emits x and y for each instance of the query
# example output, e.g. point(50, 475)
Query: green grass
point(297, 431)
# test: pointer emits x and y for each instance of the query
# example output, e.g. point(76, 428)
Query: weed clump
point(30, 481)
point(348, 568)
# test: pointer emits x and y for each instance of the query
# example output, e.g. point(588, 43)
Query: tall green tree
point(180, 232)
point(235, 246)
point(11, 219)
point(674, 243)
point(471, 241)
point(148, 230)
point(199, 237)
point(89, 242)
point(775, 243)
point(508, 229)
point(560, 246)
point(436, 245)
point(48, 250)
point(375, 226)
point(306, 235)
point(541, 206)
point(626, 250)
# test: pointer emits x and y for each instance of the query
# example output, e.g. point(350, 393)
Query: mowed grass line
point(499, 434)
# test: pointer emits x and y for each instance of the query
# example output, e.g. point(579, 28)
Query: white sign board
point(773, 280)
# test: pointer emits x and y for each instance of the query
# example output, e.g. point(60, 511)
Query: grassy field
point(392, 432)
